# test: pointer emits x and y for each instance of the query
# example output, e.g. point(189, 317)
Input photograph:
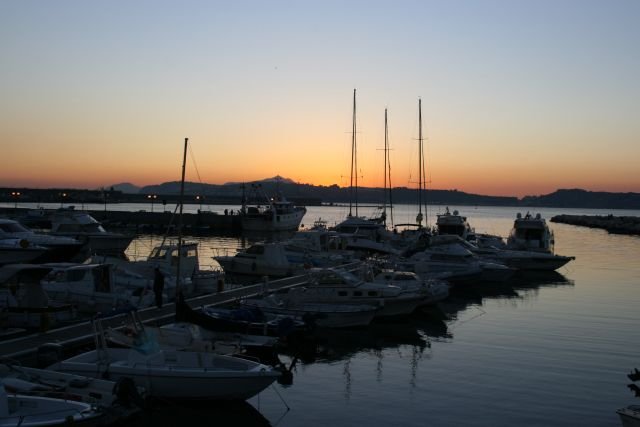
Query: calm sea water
point(548, 350)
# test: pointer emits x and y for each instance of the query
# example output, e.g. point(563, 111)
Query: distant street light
point(152, 198)
point(200, 199)
point(15, 195)
point(63, 196)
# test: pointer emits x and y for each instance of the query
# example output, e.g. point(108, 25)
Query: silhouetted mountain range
point(577, 198)
point(307, 193)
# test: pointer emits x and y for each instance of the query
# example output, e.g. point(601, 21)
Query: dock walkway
point(81, 334)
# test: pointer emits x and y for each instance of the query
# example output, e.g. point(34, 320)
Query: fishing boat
point(271, 214)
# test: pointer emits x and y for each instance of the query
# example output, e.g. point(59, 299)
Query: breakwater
point(613, 224)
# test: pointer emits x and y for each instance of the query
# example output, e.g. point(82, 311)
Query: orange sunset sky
point(518, 98)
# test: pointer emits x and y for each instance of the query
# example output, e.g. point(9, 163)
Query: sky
point(518, 97)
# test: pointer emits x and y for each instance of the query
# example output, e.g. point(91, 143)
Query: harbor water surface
point(542, 350)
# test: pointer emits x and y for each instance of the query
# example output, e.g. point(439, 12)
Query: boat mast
point(354, 160)
point(419, 216)
point(424, 168)
point(184, 163)
point(387, 170)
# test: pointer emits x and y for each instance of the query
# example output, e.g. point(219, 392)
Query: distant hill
point(578, 198)
point(276, 179)
point(126, 187)
point(325, 194)
point(307, 194)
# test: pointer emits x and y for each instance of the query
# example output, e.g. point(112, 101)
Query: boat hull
point(340, 317)
point(198, 376)
point(630, 416)
point(267, 222)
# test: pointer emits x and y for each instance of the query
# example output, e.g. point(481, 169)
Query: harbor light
point(15, 195)
point(152, 198)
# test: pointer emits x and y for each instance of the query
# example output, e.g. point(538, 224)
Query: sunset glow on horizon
point(517, 98)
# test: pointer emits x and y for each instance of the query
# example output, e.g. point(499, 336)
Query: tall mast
point(354, 160)
point(424, 168)
point(184, 163)
point(386, 152)
point(387, 173)
point(419, 217)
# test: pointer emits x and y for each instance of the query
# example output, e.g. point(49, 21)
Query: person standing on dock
point(158, 286)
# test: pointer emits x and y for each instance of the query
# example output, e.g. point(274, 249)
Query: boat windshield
point(13, 227)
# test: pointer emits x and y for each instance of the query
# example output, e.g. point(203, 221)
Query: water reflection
point(523, 286)
point(203, 414)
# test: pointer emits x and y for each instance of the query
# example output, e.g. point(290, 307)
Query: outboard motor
point(48, 354)
point(127, 394)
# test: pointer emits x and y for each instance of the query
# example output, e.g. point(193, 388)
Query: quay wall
point(142, 221)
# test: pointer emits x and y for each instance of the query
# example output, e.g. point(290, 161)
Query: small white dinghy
point(30, 411)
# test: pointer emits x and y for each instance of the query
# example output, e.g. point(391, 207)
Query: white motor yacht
point(337, 286)
point(454, 224)
point(531, 233)
point(16, 251)
point(259, 260)
point(85, 228)
point(93, 288)
point(59, 248)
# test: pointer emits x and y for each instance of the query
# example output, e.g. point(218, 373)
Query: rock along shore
point(613, 224)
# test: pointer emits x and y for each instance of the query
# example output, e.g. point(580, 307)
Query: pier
point(613, 224)
point(75, 337)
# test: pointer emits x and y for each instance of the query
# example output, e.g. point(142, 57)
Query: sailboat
point(419, 229)
point(365, 234)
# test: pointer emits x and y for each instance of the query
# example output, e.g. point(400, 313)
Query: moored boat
point(273, 214)
point(323, 315)
point(172, 374)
